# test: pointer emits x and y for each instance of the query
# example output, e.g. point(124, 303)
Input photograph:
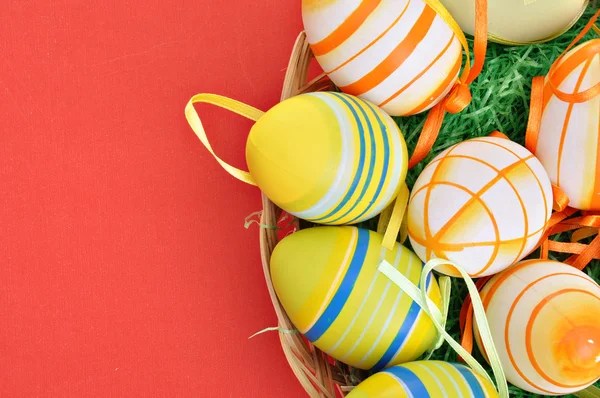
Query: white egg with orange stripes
point(482, 204)
point(327, 281)
point(568, 142)
point(398, 54)
point(543, 316)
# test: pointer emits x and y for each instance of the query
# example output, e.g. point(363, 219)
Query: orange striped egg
point(544, 318)
point(398, 54)
point(425, 379)
point(482, 203)
point(568, 143)
point(327, 280)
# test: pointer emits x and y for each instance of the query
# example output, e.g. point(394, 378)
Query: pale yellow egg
point(519, 21)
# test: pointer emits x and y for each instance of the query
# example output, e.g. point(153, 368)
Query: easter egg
point(519, 21)
point(482, 204)
point(568, 143)
point(329, 158)
point(398, 54)
point(543, 316)
point(327, 281)
point(425, 379)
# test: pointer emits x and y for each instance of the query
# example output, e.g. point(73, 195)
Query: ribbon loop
point(231, 105)
point(561, 200)
point(437, 318)
point(585, 95)
point(458, 98)
point(394, 222)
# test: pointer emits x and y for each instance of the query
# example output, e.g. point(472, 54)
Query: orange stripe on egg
point(525, 217)
point(539, 183)
point(396, 58)
point(346, 29)
point(373, 42)
point(440, 88)
point(565, 129)
point(427, 228)
point(584, 53)
point(452, 76)
point(434, 243)
point(509, 317)
point(528, 331)
point(457, 247)
point(507, 334)
point(501, 175)
point(526, 234)
point(595, 202)
point(496, 284)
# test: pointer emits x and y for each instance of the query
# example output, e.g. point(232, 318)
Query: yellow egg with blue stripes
point(327, 157)
point(425, 379)
point(326, 279)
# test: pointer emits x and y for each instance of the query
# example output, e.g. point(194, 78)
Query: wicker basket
point(319, 375)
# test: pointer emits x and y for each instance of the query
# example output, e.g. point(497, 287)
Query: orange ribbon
point(577, 97)
point(460, 95)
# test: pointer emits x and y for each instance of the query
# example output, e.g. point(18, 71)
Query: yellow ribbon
point(421, 298)
point(446, 291)
point(392, 218)
point(590, 392)
point(227, 103)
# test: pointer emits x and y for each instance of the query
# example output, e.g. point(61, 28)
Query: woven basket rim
point(319, 376)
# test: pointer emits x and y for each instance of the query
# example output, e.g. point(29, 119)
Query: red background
point(125, 269)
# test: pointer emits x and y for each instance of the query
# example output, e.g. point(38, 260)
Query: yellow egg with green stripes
point(327, 157)
point(425, 379)
point(326, 279)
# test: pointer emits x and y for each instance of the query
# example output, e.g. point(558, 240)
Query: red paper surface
point(125, 269)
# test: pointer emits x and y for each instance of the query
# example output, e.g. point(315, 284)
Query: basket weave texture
point(319, 375)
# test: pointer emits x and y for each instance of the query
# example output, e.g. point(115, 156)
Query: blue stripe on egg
point(345, 289)
point(472, 381)
point(361, 162)
point(412, 384)
point(404, 333)
point(386, 160)
point(372, 158)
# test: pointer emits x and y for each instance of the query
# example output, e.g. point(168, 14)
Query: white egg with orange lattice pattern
point(482, 203)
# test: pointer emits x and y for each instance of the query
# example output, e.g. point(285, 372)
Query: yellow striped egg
point(398, 54)
point(425, 379)
point(519, 21)
point(482, 203)
point(569, 139)
point(326, 279)
point(329, 158)
point(544, 318)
